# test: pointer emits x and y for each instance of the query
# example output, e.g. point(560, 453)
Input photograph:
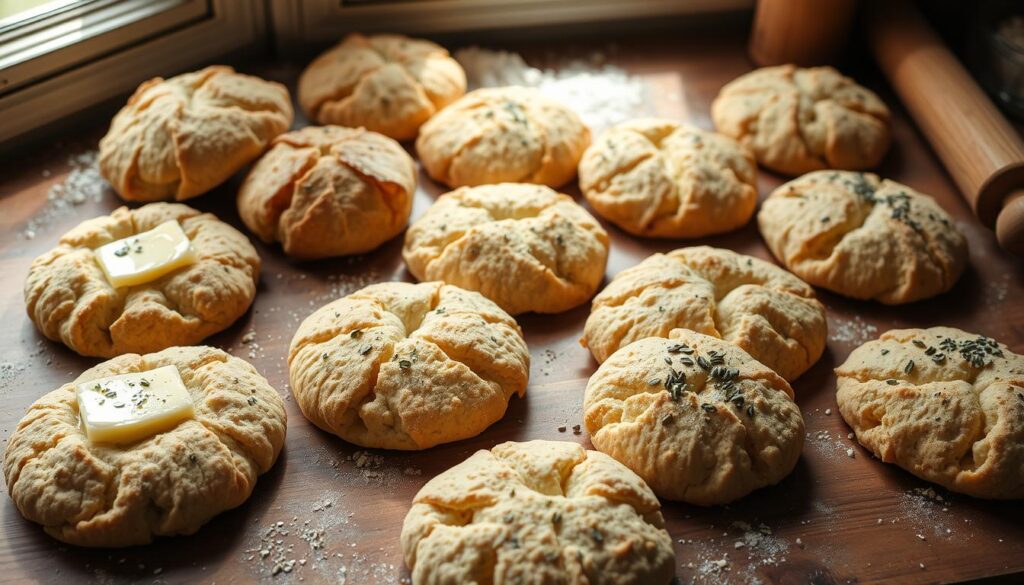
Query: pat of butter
point(147, 256)
point(130, 407)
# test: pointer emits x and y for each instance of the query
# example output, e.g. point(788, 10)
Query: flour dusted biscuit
point(537, 512)
point(104, 494)
point(799, 120)
point(658, 178)
point(764, 310)
point(863, 237)
point(72, 300)
point(503, 134)
point(407, 366)
point(180, 137)
point(329, 191)
point(525, 247)
point(944, 404)
point(696, 417)
point(385, 83)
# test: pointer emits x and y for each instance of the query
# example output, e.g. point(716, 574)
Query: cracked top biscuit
point(696, 417)
point(108, 495)
point(863, 237)
point(407, 366)
point(180, 137)
point(944, 404)
point(503, 135)
point(525, 247)
point(537, 512)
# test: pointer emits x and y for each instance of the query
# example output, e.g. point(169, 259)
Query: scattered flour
point(83, 184)
point(854, 331)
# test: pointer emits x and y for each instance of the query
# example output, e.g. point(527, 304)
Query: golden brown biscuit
point(180, 137)
point(658, 178)
point(944, 404)
point(525, 247)
point(329, 191)
point(503, 134)
point(768, 312)
point(108, 495)
point(800, 120)
point(386, 83)
point(70, 300)
point(696, 417)
point(407, 366)
point(863, 237)
point(534, 513)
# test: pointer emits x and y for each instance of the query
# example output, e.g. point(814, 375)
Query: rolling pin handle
point(1010, 223)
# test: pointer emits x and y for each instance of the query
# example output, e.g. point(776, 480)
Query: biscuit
point(525, 247)
point(658, 178)
point(503, 134)
point(407, 366)
point(180, 137)
point(863, 237)
point(70, 300)
point(537, 512)
point(385, 83)
point(766, 311)
point(696, 417)
point(800, 120)
point(106, 495)
point(943, 404)
point(329, 191)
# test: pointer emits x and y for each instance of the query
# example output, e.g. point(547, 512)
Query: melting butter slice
point(130, 407)
point(147, 256)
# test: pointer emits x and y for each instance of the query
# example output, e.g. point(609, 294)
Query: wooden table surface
point(337, 514)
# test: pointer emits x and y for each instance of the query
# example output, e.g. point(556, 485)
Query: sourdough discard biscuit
point(70, 299)
point(534, 513)
point(386, 83)
point(329, 191)
point(763, 309)
point(863, 237)
point(525, 247)
point(659, 178)
point(180, 137)
point(503, 134)
point(407, 366)
point(696, 417)
point(108, 495)
point(799, 120)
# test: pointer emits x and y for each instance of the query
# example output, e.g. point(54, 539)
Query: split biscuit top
point(70, 299)
point(800, 120)
point(180, 137)
point(171, 483)
point(658, 178)
point(696, 417)
point(525, 247)
point(753, 304)
point(537, 512)
point(407, 366)
point(503, 134)
point(944, 404)
point(863, 237)
point(385, 83)
point(329, 191)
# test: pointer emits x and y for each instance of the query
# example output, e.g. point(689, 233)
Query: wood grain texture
point(836, 519)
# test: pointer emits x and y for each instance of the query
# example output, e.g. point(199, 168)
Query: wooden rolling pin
point(980, 149)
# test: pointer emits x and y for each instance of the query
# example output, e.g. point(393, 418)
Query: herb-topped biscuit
point(504, 134)
point(751, 303)
point(407, 366)
point(175, 471)
point(659, 178)
point(696, 417)
point(537, 512)
point(944, 404)
point(863, 237)
point(800, 120)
